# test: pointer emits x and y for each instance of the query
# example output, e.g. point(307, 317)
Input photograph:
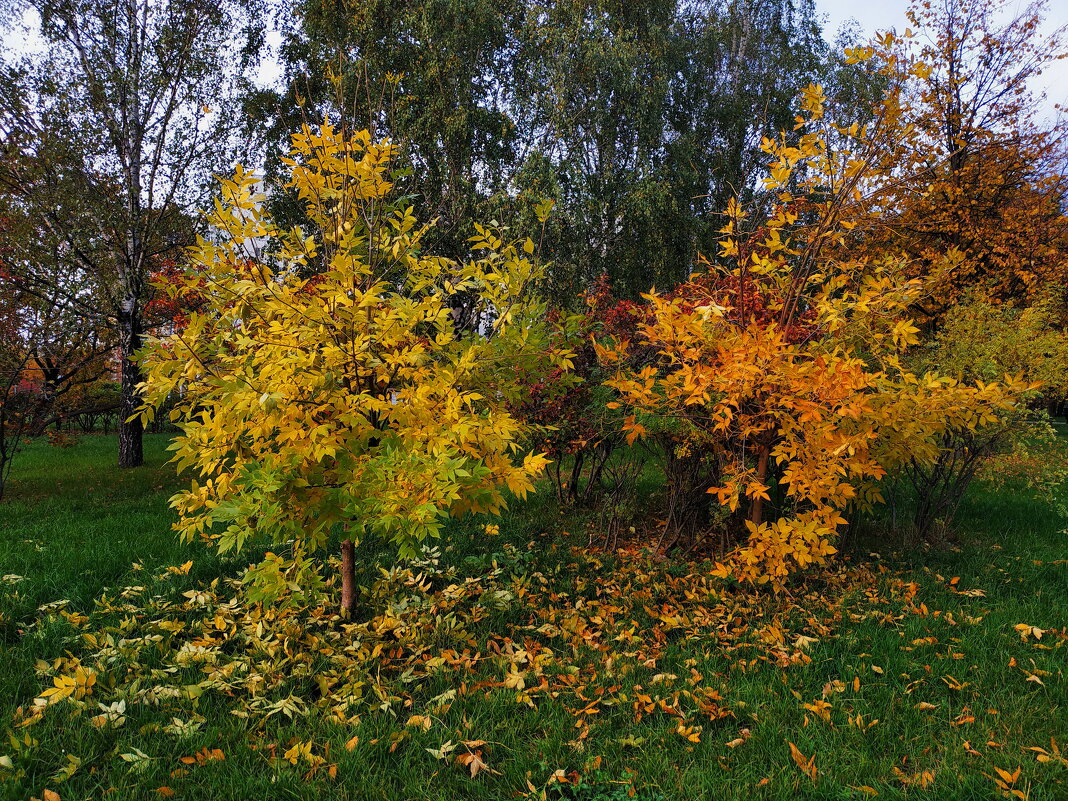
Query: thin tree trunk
point(756, 514)
point(131, 431)
point(348, 580)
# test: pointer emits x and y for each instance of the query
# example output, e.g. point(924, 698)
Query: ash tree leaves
point(323, 380)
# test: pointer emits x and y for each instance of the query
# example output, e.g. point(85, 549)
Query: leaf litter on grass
point(598, 635)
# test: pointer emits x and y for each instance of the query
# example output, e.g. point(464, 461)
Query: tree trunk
point(756, 509)
point(348, 580)
point(131, 432)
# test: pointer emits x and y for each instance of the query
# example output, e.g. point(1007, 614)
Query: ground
point(519, 663)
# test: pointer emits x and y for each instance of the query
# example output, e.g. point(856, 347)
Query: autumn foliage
point(322, 381)
point(976, 207)
point(780, 373)
point(341, 377)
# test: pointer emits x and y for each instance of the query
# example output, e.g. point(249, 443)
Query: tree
point(348, 398)
point(109, 136)
point(13, 359)
point(435, 76)
point(592, 106)
point(980, 207)
point(48, 347)
point(642, 118)
point(46, 350)
point(628, 116)
point(746, 62)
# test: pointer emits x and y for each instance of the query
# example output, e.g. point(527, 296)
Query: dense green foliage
point(638, 119)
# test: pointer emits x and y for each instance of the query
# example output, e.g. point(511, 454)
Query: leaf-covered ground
point(517, 664)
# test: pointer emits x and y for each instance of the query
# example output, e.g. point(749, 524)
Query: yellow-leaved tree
point(325, 376)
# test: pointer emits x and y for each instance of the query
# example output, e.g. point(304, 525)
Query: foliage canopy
point(323, 380)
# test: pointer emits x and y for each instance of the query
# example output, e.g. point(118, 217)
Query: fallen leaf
point(806, 766)
point(419, 721)
point(953, 683)
point(474, 762)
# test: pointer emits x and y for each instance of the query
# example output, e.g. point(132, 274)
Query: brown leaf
point(419, 721)
point(923, 779)
point(474, 762)
point(953, 683)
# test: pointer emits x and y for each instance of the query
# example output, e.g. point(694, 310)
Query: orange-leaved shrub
point(779, 372)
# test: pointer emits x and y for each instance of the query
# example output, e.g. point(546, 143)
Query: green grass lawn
point(898, 675)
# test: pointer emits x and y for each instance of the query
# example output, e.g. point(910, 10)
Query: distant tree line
point(637, 119)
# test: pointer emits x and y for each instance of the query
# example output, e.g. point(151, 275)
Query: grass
point(932, 689)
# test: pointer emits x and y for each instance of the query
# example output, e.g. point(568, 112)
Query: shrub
point(569, 408)
point(985, 347)
point(778, 375)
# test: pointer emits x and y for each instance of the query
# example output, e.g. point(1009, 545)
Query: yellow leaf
point(418, 721)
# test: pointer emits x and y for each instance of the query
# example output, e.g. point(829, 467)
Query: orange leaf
point(807, 766)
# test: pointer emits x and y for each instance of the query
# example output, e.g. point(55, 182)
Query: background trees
point(980, 207)
point(110, 137)
point(49, 345)
point(637, 119)
point(438, 76)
